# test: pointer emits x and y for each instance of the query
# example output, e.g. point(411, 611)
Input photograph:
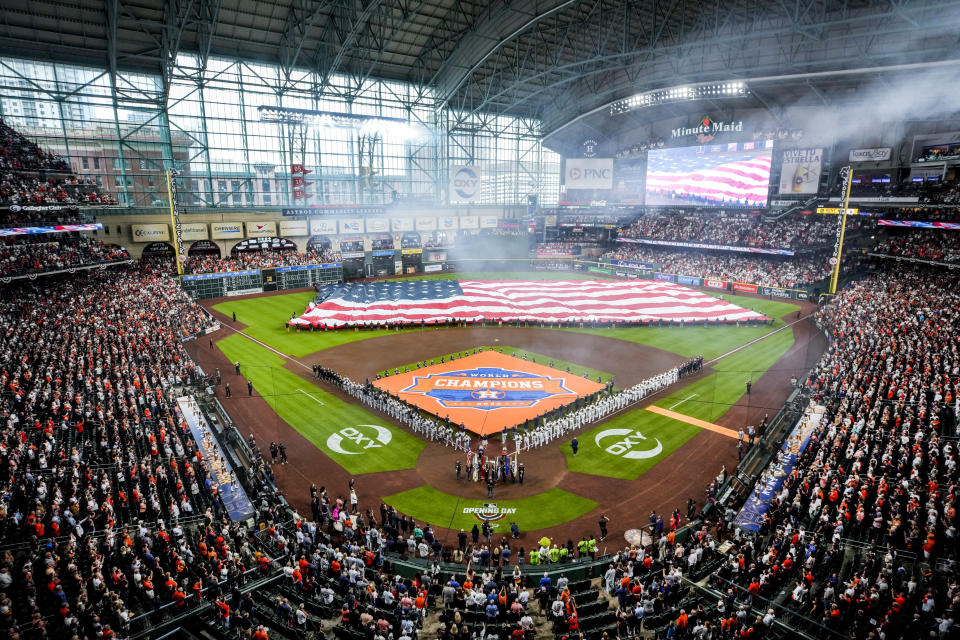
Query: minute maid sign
point(706, 129)
point(487, 388)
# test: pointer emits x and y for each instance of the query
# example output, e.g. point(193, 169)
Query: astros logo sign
point(488, 388)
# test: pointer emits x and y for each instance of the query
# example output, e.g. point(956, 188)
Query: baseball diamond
point(459, 320)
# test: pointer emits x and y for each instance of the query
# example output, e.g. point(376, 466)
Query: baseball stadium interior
point(504, 320)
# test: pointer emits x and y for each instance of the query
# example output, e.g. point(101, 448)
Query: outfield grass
point(709, 342)
point(265, 319)
point(547, 509)
point(539, 358)
point(318, 415)
point(707, 399)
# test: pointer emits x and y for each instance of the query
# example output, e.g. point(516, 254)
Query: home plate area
point(488, 392)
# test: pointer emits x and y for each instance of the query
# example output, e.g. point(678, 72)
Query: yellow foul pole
point(173, 223)
point(847, 174)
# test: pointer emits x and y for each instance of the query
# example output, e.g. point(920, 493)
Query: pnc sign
point(630, 444)
point(589, 173)
point(352, 441)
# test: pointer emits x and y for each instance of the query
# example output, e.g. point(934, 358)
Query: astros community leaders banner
point(465, 184)
point(800, 171)
point(588, 173)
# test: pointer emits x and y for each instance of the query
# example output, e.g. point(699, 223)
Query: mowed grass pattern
point(547, 509)
point(265, 319)
point(297, 402)
point(713, 395)
point(710, 342)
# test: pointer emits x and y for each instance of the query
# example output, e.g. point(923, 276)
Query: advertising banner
point(190, 231)
point(150, 232)
point(378, 225)
point(59, 228)
point(876, 154)
point(261, 229)
point(447, 223)
point(800, 171)
point(716, 247)
point(636, 265)
point(920, 224)
point(469, 222)
point(351, 225)
point(322, 226)
point(588, 173)
point(425, 223)
point(666, 277)
point(776, 292)
point(401, 224)
point(294, 228)
point(689, 280)
point(716, 284)
point(465, 184)
point(429, 268)
point(226, 230)
point(744, 287)
point(411, 252)
point(488, 222)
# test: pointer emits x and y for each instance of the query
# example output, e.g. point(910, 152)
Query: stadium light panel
point(675, 94)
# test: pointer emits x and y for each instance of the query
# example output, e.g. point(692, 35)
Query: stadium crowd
point(30, 176)
point(107, 509)
point(791, 232)
point(939, 245)
point(558, 248)
point(772, 271)
point(26, 255)
point(261, 259)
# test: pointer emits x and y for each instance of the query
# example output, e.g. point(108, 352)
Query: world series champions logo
point(488, 388)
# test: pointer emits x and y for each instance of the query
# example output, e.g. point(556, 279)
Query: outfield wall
point(253, 281)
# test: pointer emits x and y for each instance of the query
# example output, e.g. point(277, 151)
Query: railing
point(787, 620)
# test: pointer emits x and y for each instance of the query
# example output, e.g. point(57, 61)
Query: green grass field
point(319, 416)
point(709, 342)
point(547, 509)
point(265, 319)
point(296, 400)
point(539, 358)
point(707, 399)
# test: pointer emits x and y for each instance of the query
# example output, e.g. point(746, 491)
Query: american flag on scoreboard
point(739, 178)
point(553, 301)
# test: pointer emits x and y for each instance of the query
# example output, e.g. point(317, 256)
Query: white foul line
point(310, 396)
point(266, 346)
point(682, 401)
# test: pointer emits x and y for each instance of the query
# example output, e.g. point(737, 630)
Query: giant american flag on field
point(715, 175)
point(430, 301)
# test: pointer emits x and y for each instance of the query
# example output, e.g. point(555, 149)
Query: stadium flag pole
point(847, 174)
point(173, 223)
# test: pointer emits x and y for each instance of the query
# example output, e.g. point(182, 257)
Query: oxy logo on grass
point(490, 512)
point(631, 445)
point(488, 388)
point(353, 441)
